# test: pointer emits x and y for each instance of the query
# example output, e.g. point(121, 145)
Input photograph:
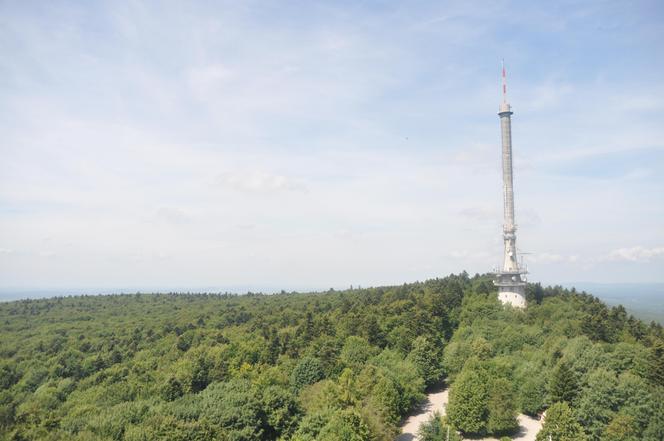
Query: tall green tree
point(502, 408)
point(467, 408)
point(346, 425)
point(235, 409)
point(427, 357)
point(656, 362)
point(563, 384)
point(172, 389)
point(281, 410)
point(308, 371)
point(533, 395)
point(356, 351)
point(598, 402)
point(560, 425)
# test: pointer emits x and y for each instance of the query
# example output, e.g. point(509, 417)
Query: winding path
point(437, 402)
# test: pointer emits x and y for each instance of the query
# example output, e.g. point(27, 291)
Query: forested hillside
point(325, 366)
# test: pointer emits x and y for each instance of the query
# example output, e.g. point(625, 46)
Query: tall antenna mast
point(510, 281)
point(504, 83)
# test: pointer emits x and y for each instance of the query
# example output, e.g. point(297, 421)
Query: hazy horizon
point(643, 300)
point(6, 293)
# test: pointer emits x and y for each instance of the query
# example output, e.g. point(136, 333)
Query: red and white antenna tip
point(504, 83)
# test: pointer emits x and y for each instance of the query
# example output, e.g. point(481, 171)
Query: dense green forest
point(340, 365)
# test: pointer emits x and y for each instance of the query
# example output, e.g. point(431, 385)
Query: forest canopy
point(325, 366)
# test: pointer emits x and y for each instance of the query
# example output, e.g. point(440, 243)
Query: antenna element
point(504, 83)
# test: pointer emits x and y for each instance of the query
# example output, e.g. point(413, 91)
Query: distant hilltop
point(644, 300)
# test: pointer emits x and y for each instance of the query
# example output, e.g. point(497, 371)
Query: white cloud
point(546, 258)
point(207, 81)
point(482, 214)
point(471, 255)
point(635, 254)
point(172, 215)
point(548, 95)
point(256, 181)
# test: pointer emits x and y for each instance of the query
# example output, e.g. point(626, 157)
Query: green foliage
point(193, 360)
point(467, 408)
point(557, 350)
point(656, 362)
point(437, 428)
point(621, 428)
point(311, 426)
point(172, 389)
point(282, 411)
point(501, 407)
point(635, 399)
point(532, 395)
point(333, 426)
point(563, 384)
point(169, 428)
point(598, 402)
point(308, 371)
point(427, 357)
point(403, 372)
point(8, 375)
point(355, 352)
point(345, 425)
point(655, 429)
point(560, 425)
point(316, 366)
point(235, 409)
point(482, 400)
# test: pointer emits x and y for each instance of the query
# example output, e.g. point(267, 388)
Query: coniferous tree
point(655, 429)
point(561, 425)
point(502, 408)
point(172, 389)
point(307, 371)
point(656, 373)
point(436, 428)
point(427, 358)
point(563, 384)
point(533, 395)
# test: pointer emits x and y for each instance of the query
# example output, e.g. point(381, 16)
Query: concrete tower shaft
point(509, 227)
point(511, 286)
point(508, 182)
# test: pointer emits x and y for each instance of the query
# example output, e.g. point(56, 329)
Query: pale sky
point(307, 144)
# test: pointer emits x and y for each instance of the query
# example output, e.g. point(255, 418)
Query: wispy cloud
point(260, 182)
point(635, 254)
point(547, 258)
point(172, 215)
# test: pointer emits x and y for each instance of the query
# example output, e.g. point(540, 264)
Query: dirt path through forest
point(437, 402)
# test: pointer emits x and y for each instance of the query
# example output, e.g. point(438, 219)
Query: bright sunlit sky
point(307, 144)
